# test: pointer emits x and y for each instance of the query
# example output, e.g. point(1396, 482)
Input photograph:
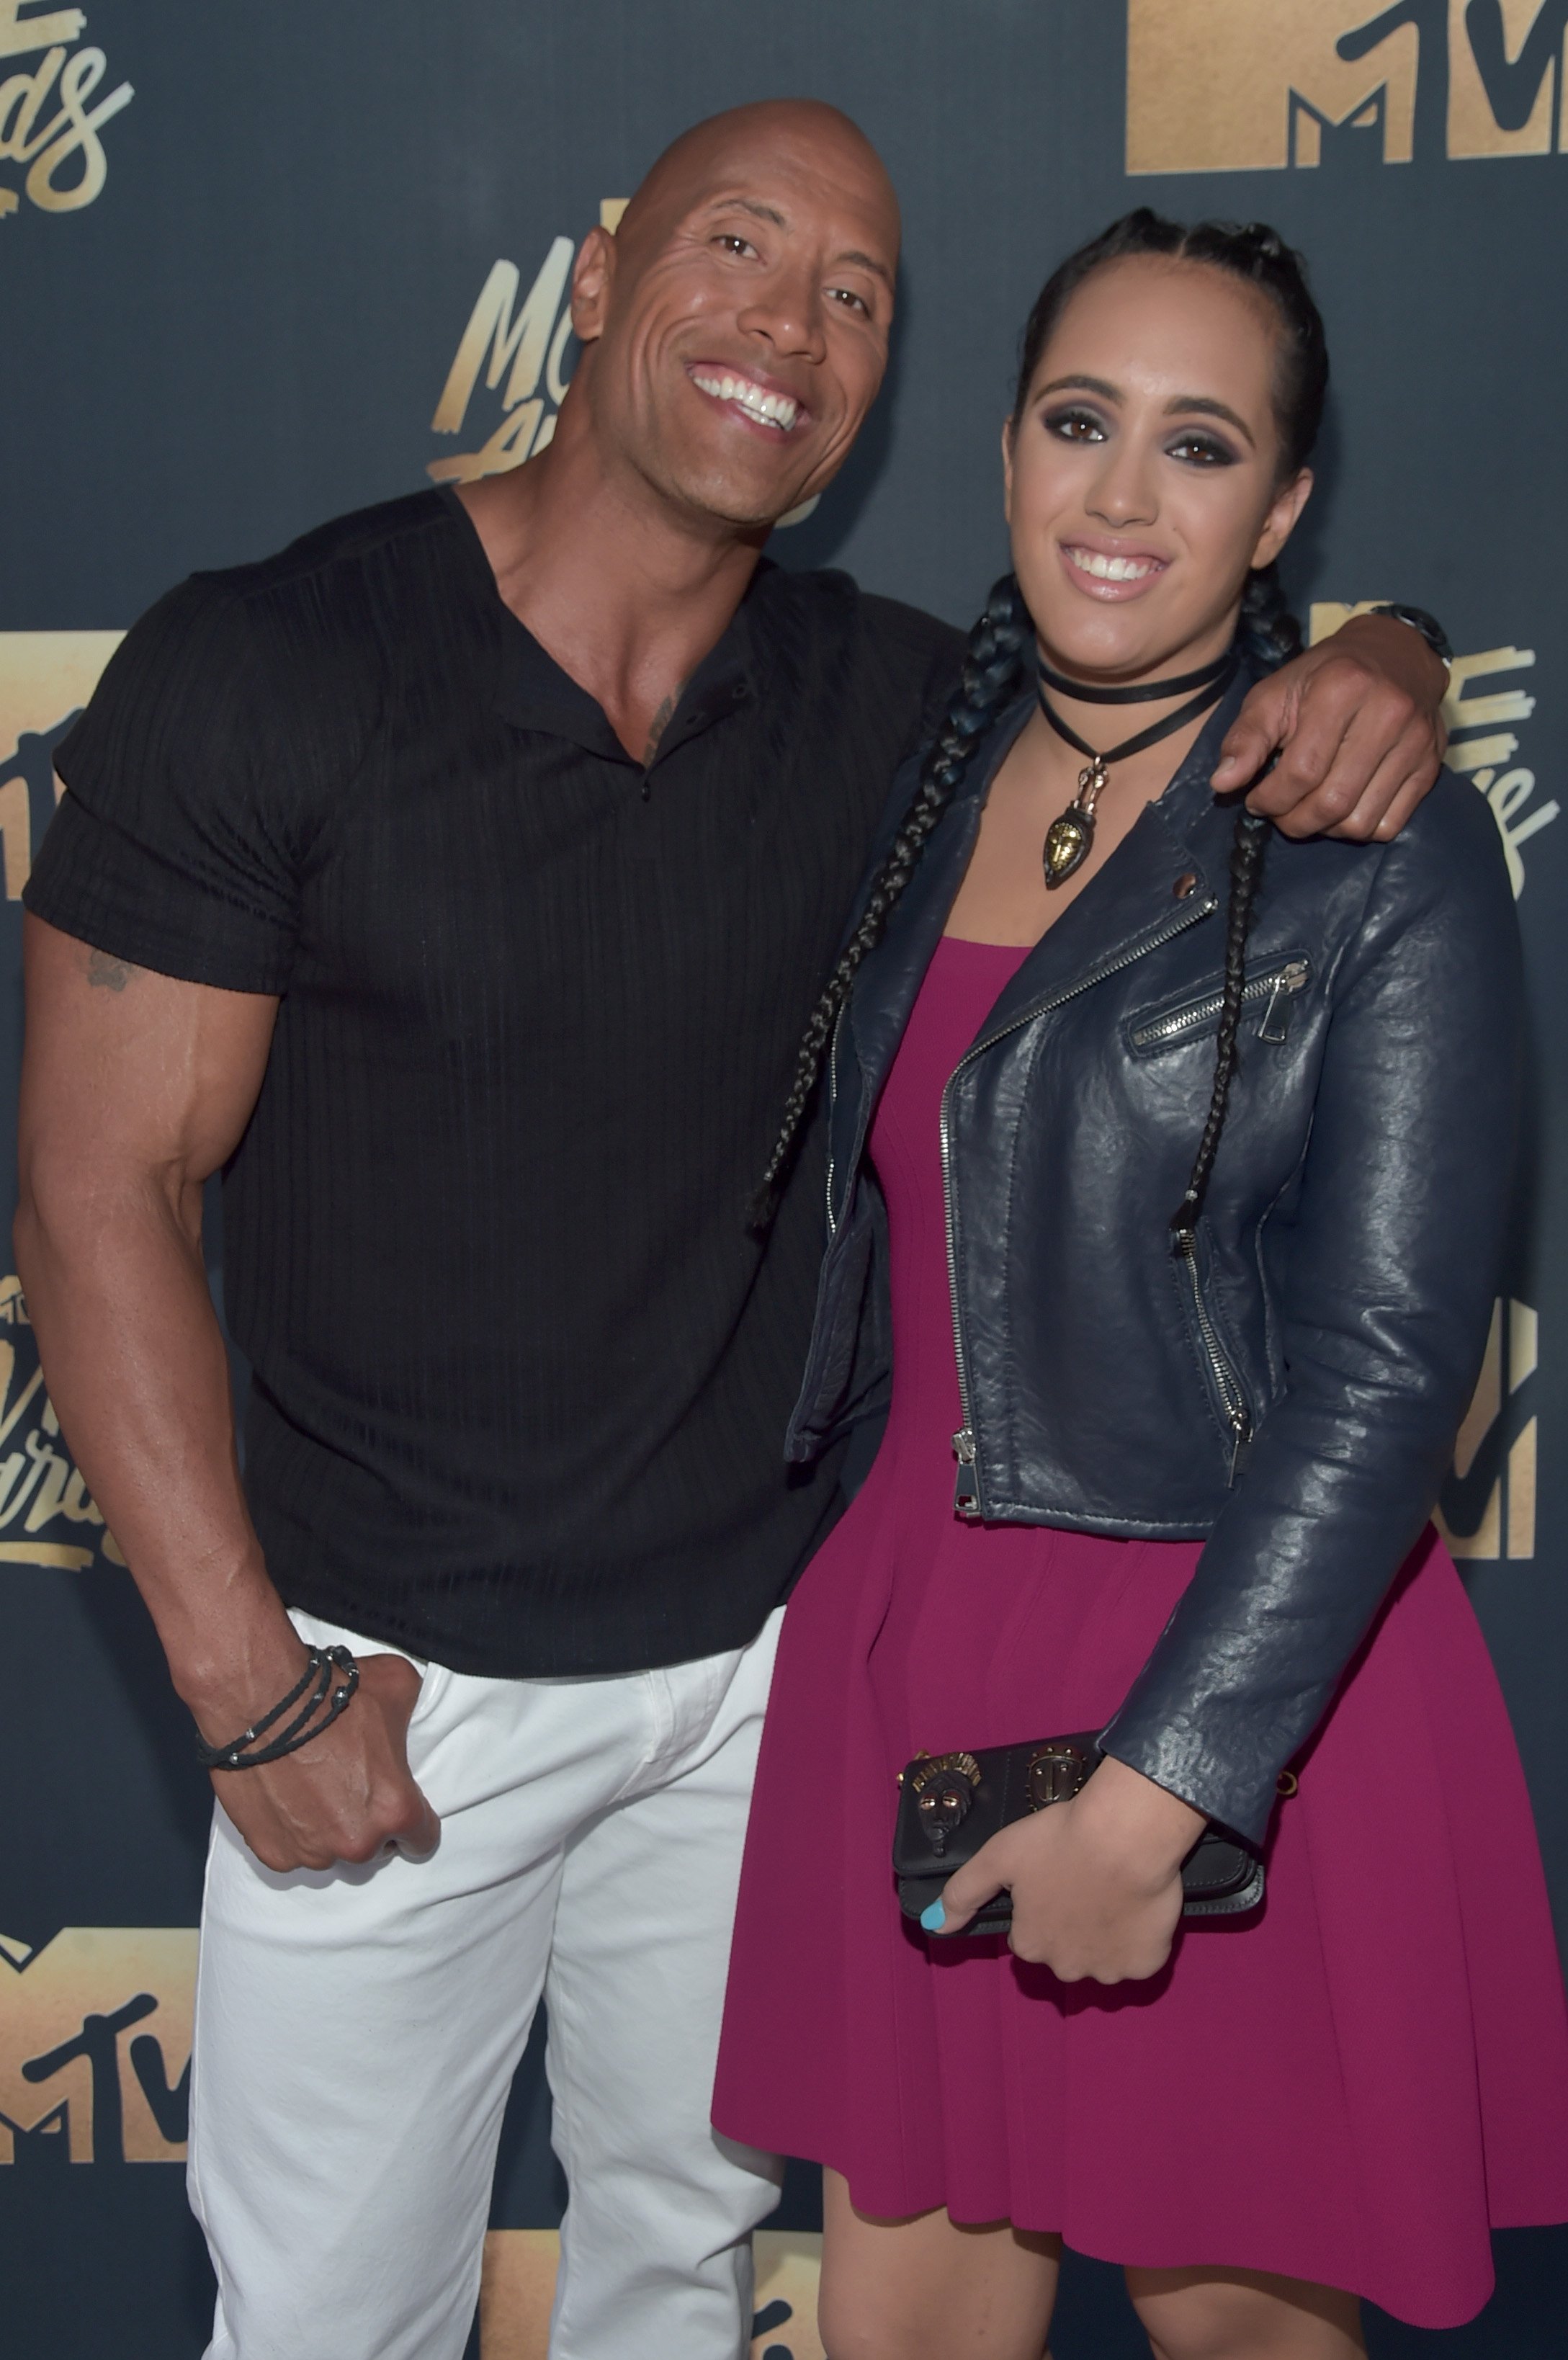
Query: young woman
point(1178, 1155)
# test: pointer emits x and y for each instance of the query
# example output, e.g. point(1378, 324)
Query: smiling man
point(457, 883)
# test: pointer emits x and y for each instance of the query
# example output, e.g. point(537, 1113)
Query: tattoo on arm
point(107, 974)
point(657, 728)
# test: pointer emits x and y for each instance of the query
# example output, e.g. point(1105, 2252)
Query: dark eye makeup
point(1193, 446)
point(1074, 422)
point(1198, 448)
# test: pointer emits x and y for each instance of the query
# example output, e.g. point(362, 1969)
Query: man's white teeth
point(768, 408)
point(1110, 569)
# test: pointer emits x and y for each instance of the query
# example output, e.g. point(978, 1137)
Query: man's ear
point(1282, 517)
point(592, 277)
point(1007, 471)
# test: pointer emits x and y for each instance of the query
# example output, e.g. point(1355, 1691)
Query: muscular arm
point(1358, 722)
point(135, 1089)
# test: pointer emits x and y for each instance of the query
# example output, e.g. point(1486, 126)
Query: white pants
point(356, 2030)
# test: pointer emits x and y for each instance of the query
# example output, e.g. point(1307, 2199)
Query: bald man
point(457, 884)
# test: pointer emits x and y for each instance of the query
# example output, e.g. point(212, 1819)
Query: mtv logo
point(72, 2088)
point(1255, 85)
point(46, 677)
point(517, 342)
point(1251, 85)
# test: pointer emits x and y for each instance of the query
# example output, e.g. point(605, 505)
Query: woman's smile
point(1107, 571)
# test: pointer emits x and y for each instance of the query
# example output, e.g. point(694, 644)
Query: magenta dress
point(1352, 2087)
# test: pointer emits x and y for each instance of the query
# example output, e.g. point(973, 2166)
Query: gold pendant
point(1069, 839)
point(1067, 845)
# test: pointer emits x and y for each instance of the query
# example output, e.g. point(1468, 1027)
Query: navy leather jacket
point(1291, 1392)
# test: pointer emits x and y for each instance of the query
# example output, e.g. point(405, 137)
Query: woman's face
point(1143, 473)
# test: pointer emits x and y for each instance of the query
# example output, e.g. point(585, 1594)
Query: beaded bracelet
point(321, 1664)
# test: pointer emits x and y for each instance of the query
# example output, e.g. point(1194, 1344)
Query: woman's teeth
point(1112, 569)
point(768, 408)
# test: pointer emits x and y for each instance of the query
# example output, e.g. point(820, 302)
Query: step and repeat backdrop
point(265, 263)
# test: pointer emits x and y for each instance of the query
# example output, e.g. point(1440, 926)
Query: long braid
point(1271, 635)
point(993, 668)
point(1266, 627)
point(1246, 851)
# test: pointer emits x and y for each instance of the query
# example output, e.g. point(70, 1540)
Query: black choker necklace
point(1069, 839)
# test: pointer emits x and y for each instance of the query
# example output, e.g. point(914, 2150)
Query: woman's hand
point(1097, 1881)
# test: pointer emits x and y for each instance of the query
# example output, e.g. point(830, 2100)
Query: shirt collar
point(533, 690)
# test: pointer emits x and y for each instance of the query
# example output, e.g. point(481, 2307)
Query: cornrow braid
point(993, 668)
point(1248, 847)
point(1270, 635)
point(1266, 627)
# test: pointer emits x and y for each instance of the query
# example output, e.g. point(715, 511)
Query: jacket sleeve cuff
point(1192, 1768)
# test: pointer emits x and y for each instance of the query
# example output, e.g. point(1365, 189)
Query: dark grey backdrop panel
point(247, 329)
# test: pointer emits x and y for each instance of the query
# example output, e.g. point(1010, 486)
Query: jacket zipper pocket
point(966, 1491)
point(1226, 1383)
point(1277, 988)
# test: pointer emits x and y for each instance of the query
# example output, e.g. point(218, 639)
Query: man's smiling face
point(737, 324)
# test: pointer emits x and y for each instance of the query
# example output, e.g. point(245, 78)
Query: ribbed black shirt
point(520, 1374)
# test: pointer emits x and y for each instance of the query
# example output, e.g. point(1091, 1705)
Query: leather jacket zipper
point(833, 1103)
point(1227, 1384)
point(967, 1499)
point(1279, 985)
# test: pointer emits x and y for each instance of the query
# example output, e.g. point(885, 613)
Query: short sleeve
point(174, 847)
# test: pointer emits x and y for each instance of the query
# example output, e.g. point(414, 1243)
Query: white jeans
point(356, 2030)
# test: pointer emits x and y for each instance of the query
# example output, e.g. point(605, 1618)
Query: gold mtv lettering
point(1251, 85)
point(19, 33)
point(1487, 1508)
point(1506, 92)
point(523, 341)
point(44, 677)
point(95, 2042)
point(498, 336)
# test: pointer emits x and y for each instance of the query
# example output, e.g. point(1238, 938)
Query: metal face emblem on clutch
point(944, 1789)
point(1055, 1775)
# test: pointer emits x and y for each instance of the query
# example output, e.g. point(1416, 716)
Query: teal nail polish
point(933, 1918)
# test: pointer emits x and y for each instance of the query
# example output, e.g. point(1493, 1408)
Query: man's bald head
point(736, 326)
point(807, 132)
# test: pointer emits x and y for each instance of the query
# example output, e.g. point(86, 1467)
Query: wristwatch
point(1425, 626)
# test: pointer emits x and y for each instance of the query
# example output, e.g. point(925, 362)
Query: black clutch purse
point(949, 1804)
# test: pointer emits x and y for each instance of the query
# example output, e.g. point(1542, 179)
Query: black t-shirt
point(521, 1375)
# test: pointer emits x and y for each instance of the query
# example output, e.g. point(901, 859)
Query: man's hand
point(135, 1088)
point(349, 1793)
point(1358, 723)
point(1096, 1882)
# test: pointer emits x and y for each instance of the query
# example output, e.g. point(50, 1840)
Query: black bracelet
point(1425, 627)
point(321, 1666)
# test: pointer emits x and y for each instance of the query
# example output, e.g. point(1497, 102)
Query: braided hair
point(992, 672)
point(994, 666)
point(1267, 633)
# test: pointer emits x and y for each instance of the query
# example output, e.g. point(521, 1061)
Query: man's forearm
point(137, 1373)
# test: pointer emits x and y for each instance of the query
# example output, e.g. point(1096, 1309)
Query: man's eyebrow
point(867, 262)
point(760, 212)
point(752, 206)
